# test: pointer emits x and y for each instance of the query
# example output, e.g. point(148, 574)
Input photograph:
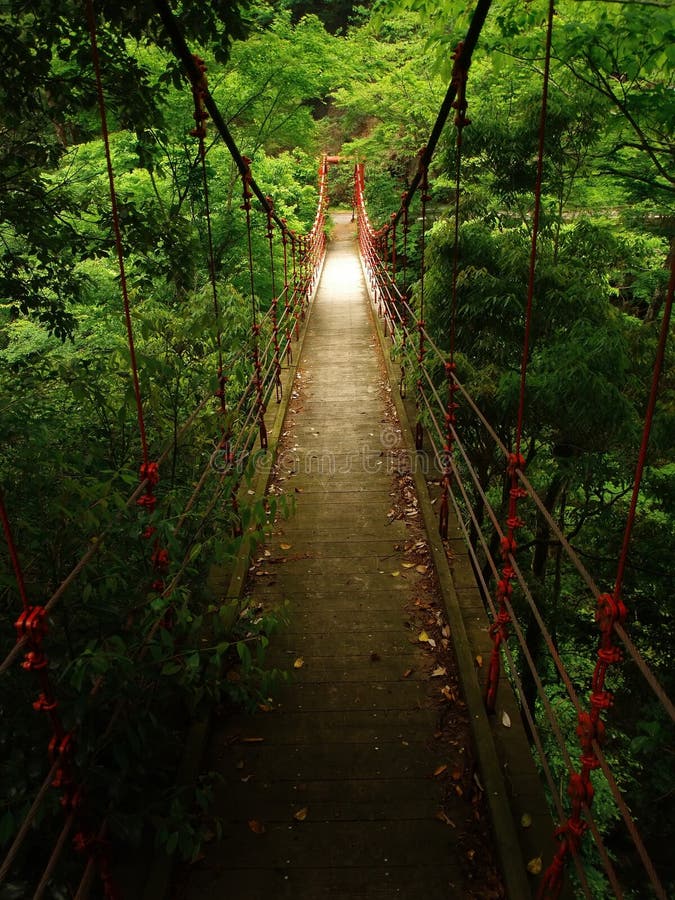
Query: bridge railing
point(60, 814)
point(438, 392)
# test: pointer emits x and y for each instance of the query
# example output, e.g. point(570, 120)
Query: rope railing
point(383, 285)
point(393, 304)
point(245, 416)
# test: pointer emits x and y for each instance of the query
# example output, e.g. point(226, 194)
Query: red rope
point(649, 417)
point(199, 131)
point(275, 302)
point(424, 197)
point(255, 328)
point(13, 554)
point(516, 461)
point(116, 226)
point(288, 312)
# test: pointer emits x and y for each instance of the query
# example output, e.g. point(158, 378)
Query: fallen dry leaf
point(443, 817)
point(246, 778)
point(408, 565)
point(396, 574)
point(534, 866)
point(445, 631)
point(526, 820)
point(456, 775)
point(252, 740)
point(440, 769)
point(285, 546)
point(506, 720)
point(422, 569)
point(301, 814)
point(299, 663)
point(407, 673)
point(439, 671)
point(479, 661)
point(424, 637)
point(256, 826)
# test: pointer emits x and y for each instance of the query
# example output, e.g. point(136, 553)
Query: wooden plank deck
point(356, 737)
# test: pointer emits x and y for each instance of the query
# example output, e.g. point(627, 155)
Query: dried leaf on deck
point(442, 816)
point(256, 826)
point(534, 866)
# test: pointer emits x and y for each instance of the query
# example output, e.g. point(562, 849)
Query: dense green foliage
point(291, 85)
point(70, 446)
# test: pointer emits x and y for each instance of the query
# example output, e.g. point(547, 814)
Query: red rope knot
point(581, 793)
point(45, 703)
point(504, 589)
point(160, 559)
point(150, 472)
point(62, 747)
point(514, 522)
point(589, 729)
point(255, 328)
point(148, 502)
point(246, 181)
point(610, 611)
point(517, 493)
point(602, 699)
point(507, 546)
point(34, 661)
point(515, 461)
point(32, 624)
point(72, 799)
point(502, 620)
